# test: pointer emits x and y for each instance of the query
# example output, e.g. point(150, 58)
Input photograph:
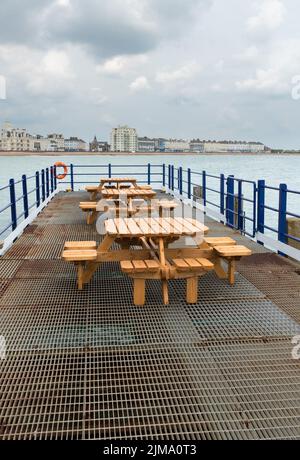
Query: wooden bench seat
point(184, 265)
point(232, 251)
point(88, 205)
point(77, 245)
point(230, 254)
point(139, 266)
point(220, 241)
point(81, 253)
point(194, 268)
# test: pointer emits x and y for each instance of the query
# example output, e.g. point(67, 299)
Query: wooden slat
point(126, 266)
point(233, 251)
point(221, 241)
point(79, 255)
point(193, 263)
point(167, 228)
point(122, 227)
point(80, 245)
point(201, 227)
point(144, 226)
point(206, 264)
point(139, 265)
point(152, 265)
point(133, 227)
point(110, 227)
point(160, 227)
point(180, 264)
point(185, 227)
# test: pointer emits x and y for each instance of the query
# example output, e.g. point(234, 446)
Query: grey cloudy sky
point(175, 68)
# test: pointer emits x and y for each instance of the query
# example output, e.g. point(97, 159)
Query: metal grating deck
point(90, 365)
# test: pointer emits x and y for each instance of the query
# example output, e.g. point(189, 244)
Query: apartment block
point(124, 139)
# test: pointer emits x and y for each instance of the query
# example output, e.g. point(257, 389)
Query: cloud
point(181, 74)
point(275, 77)
point(139, 84)
point(121, 65)
point(105, 28)
point(270, 15)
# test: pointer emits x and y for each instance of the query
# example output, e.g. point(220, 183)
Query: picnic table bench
point(156, 260)
point(110, 182)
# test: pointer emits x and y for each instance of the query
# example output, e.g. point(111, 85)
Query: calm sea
point(274, 169)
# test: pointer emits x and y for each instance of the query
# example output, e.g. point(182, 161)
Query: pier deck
point(90, 365)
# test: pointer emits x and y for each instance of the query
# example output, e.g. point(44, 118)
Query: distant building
point(196, 146)
point(124, 139)
point(233, 146)
point(75, 145)
point(175, 145)
point(145, 144)
point(15, 139)
point(99, 146)
point(51, 143)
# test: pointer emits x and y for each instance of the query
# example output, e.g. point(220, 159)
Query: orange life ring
point(60, 164)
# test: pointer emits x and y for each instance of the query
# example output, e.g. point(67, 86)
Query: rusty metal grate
point(90, 365)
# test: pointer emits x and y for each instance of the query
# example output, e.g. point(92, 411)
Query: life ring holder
point(60, 164)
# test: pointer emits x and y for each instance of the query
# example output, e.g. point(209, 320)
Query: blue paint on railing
point(25, 196)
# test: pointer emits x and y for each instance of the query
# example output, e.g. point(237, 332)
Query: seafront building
point(124, 139)
point(145, 144)
point(73, 144)
point(14, 139)
point(99, 146)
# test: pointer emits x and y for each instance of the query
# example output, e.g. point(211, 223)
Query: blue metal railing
point(23, 196)
point(238, 203)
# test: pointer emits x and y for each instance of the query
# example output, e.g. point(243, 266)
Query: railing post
point(43, 185)
point(52, 179)
point(240, 217)
point(149, 174)
point(37, 189)
point(173, 177)
point(204, 187)
point(230, 202)
point(169, 176)
point(180, 176)
point(164, 174)
point(261, 207)
point(47, 182)
point(109, 170)
point(25, 196)
point(282, 225)
point(55, 177)
point(222, 194)
point(13, 206)
point(72, 176)
point(189, 174)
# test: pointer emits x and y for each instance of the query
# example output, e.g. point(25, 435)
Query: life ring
point(60, 164)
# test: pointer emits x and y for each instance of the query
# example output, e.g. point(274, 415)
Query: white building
point(146, 145)
point(75, 145)
point(15, 139)
point(52, 143)
point(232, 147)
point(124, 139)
point(174, 145)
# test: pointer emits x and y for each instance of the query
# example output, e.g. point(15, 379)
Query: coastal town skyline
point(122, 139)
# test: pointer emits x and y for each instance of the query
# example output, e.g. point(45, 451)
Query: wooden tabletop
point(131, 192)
point(117, 180)
point(154, 227)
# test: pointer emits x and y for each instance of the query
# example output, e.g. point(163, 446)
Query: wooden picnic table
point(118, 181)
point(113, 182)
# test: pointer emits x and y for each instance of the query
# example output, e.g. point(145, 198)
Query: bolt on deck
point(90, 365)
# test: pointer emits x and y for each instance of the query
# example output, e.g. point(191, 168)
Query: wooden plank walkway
point(90, 365)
